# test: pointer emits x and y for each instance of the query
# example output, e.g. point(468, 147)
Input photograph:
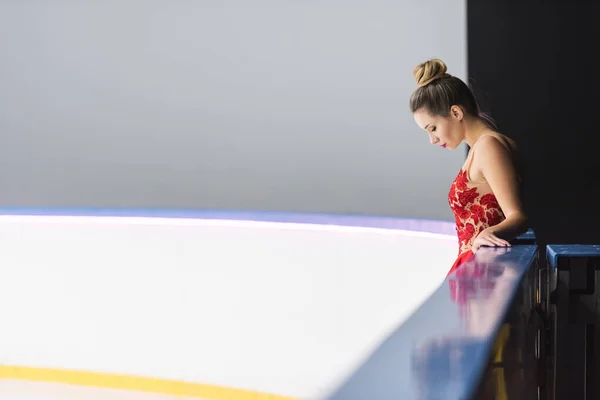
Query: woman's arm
point(497, 167)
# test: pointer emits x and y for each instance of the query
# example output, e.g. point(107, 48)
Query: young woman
point(485, 196)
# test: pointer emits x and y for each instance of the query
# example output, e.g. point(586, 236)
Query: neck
point(474, 129)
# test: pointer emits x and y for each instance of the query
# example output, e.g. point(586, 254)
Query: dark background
point(535, 68)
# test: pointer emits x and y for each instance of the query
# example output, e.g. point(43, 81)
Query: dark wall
point(535, 68)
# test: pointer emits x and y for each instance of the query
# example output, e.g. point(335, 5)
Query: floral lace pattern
point(473, 211)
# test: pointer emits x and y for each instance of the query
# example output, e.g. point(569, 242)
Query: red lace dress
point(474, 205)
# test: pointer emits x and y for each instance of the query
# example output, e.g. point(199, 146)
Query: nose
point(433, 139)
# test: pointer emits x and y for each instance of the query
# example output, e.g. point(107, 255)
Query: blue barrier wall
point(572, 313)
point(443, 350)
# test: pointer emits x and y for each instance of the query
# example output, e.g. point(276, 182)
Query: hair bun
point(429, 71)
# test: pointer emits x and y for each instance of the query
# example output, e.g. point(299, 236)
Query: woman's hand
point(488, 238)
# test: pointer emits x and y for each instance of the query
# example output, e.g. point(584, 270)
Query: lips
point(443, 146)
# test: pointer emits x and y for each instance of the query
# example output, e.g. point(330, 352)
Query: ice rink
point(154, 308)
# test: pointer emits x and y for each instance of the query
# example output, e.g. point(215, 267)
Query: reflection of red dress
point(474, 206)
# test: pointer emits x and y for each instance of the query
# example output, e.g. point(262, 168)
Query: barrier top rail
point(555, 251)
point(442, 350)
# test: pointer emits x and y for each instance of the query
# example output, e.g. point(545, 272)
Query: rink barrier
point(453, 346)
point(571, 308)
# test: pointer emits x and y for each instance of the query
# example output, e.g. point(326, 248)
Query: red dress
point(474, 205)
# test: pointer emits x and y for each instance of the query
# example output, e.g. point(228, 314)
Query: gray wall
point(263, 105)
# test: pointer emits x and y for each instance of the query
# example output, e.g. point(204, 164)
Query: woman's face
point(446, 132)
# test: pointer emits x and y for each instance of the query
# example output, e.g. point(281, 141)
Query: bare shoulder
point(495, 145)
point(493, 151)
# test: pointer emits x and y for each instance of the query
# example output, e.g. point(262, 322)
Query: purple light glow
point(224, 223)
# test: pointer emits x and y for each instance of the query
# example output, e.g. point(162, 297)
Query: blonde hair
point(429, 71)
point(438, 91)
